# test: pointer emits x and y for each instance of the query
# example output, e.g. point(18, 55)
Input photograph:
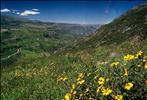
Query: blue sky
point(81, 12)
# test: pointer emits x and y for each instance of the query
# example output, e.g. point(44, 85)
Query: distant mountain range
point(8, 22)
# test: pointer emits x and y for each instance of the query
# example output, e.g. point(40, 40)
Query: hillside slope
point(100, 66)
point(39, 38)
point(131, 26)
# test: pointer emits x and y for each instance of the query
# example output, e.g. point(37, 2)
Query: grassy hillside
point(36, 37)
point(128, 27)
point(126, 33)
point(109, 64)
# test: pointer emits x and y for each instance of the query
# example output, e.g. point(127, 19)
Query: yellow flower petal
point(81, 82)
point(145, 65)
point(126, 72)
point(128, 86)
point(114, 64)
point(101, 80)
point(129, 57)
point(118, 97)
point(68, 96)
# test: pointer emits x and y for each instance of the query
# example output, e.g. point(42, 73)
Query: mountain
point(8, 22)
point(129, 27)
point(46, 62)
point(36, 36)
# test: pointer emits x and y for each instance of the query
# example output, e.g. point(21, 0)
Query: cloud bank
point(23, 13)
point(29, 12)
point(4, 10)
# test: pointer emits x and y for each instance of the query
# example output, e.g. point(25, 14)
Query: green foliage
point(101, 80)
point(49, 59)
point(37, 36)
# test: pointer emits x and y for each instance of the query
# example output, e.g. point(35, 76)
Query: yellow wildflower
point(73, 86)
point(126, 72)
point(118, 97)
point(74, 92)
point(106, 91)
point(129, 57)
point(62, 78)
point(87, 89)
point(140, 53)
point(68, 96)
point(80, 76)
point(65, 78)
point(98, 89)
point(145, 66)
point(102, 88)
point(81, 82)
point(114, 64)
point(128, 86)
point(101, 80)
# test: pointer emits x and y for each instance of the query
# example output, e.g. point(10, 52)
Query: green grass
point(35, 76)
point(43, 58)
point(97, 80)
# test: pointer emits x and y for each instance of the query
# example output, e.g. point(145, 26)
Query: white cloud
point(4, 10)
point(18, 13)
point(35, 9)
point(29, 12)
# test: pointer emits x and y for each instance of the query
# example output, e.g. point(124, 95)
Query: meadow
point(39, 63)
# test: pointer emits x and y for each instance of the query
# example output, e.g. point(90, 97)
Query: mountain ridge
point(129, 25)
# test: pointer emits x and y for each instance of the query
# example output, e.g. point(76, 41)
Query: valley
point(54, 61)
point(39, 37)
